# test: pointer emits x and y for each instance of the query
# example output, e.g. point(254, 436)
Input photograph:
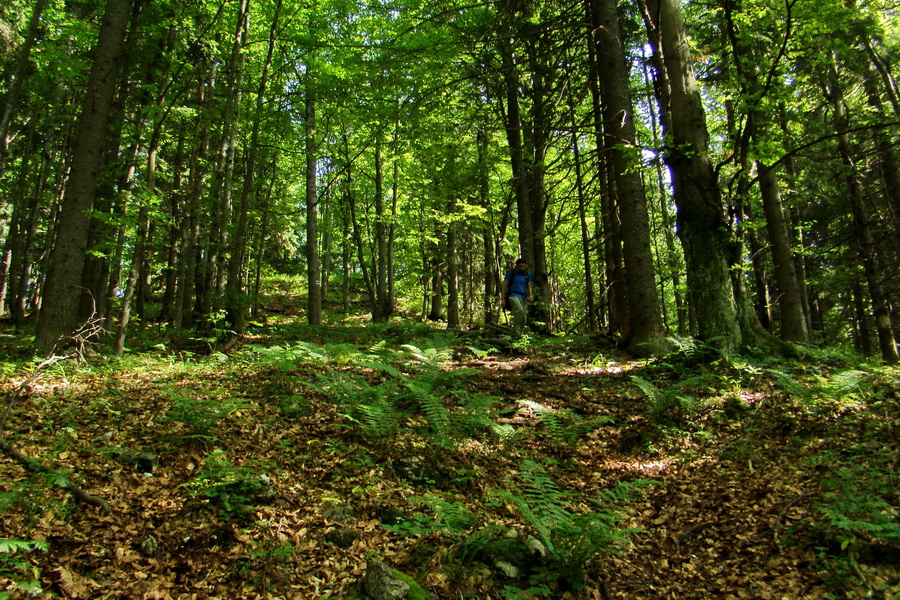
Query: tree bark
point(700, 215)
point(380, 312)
point(646, 334)
point(313, 267)
point(18, 78)
point(865, 243)
point(62, 293)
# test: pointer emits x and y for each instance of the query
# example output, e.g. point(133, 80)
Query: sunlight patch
point(633, 466)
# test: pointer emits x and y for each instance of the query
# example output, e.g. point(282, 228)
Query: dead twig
point(67, 484)
point(80, 339)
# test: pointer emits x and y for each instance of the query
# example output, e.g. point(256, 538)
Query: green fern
point(846, 383)
point(571, 539)
point(652, 392)
point(564, 425)
point(436, 414)
point(23, 577)
point(379, 419)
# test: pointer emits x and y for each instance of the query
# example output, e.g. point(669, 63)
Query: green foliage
point(564, 425)
point(570, 538)
point(667, 407)
point(443, 517)
point(856, 505)
point(234, 489)
point(260, 564)
point(200, 412)
point(374, 408)
point(379, 409)
point(24, 577)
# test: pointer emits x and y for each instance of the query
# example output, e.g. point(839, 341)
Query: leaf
point(72, 584)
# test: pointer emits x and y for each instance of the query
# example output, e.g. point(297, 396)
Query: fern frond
point(845, 383)
point(652, 392)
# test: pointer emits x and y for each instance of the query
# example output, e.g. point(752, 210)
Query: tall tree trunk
point(18, 77)
point(671, 260)
point(236, 309)
point(613, 312)
point(646, 322)
point(700, 215)
point(215, 263)
point(757, 129)
point(61, 298)
point(313, 270)
point(864, 242)
point(790, 302)
point(452, 259)
point(380, 313)
point(590, 303)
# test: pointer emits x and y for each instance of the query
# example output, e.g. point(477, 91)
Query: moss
point(416, 591)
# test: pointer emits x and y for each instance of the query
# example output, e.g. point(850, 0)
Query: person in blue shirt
point(517, 287)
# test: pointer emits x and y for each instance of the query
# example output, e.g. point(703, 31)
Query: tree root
point(37, 467)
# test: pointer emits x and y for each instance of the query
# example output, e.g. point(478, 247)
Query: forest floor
point(550, 468)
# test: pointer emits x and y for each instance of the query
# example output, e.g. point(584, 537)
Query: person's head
point(521, 265)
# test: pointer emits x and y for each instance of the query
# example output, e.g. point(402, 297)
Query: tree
point(645, 323)
point(702, 227)
point(62, 293)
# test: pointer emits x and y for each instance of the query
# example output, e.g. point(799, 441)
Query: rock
point(145, 462)
point(339, 512)
point(264, 492)
point(342, 537)
point(381, 584)
point(149, 546)
point(105, 438)
point(508, 569)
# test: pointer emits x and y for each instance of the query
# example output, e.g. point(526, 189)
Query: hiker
point(515, 290)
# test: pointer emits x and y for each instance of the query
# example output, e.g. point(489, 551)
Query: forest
point(251, 334)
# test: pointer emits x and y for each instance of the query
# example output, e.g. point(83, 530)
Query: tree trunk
point(790, 302)
point(646, 322)
point(702, 226)
point(235, 298)
point(18, 78)
point(380, 312)
point(62, 294)
point(215, 263)
point(865, 243)
point(453, 321)
point(585, 237)
point(313, 270)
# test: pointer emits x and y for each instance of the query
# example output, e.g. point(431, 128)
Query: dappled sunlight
point(652, 467)
point(610, 368)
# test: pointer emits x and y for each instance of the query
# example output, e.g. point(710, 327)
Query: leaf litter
point(732, 512)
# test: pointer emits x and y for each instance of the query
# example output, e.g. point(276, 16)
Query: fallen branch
point(36, 466)
point(80, 338)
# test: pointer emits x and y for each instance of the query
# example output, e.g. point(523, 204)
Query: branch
point(36, 466)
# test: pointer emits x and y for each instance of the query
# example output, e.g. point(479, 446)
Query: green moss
point(416, 591)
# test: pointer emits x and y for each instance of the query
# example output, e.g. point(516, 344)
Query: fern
point(571, 539)
point(846, 383)
point(564, 425)
point(650, 391)
point(378, 419)
point(436, 414)
point(21, 574)
point(669, 406)
point(16, 546)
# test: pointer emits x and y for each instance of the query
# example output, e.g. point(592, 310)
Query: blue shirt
point(518, 283)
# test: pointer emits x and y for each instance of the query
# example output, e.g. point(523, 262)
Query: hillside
point(550, 468)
